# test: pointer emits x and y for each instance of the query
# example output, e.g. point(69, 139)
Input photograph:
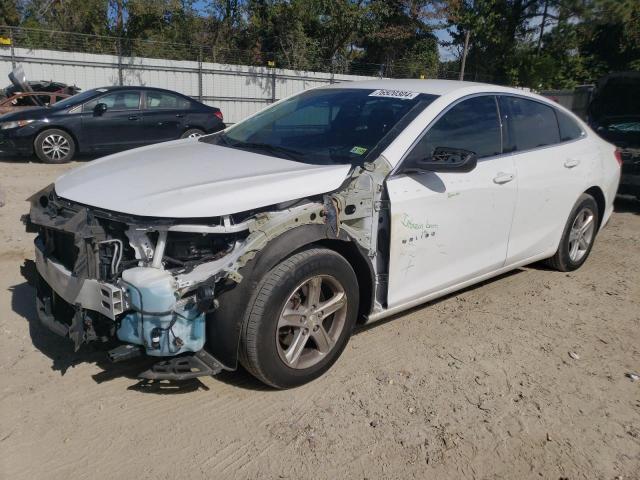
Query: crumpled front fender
point(224, 325)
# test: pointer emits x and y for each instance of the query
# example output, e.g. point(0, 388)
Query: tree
point(400, 36)
point(78, 16)
point(497, 30)
point(9, 13)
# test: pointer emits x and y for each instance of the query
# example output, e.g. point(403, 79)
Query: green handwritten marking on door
point(408, 222)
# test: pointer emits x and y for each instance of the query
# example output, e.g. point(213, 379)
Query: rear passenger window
point(471, 125)
point(530, 124)
point(569, 129)
point(158, 100)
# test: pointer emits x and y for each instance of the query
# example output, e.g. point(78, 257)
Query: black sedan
point(105, 120)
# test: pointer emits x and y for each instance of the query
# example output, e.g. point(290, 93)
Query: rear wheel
point(54, 146)
point(578, 237)
point(300, 319)
point(192, 133)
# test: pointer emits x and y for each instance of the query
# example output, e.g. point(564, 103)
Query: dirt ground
point(477, 385)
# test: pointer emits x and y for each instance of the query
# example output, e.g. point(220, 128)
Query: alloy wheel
point(56, 147)
point(581, 234)
point(311, 321)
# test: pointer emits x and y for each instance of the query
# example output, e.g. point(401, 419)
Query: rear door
point(447, 228)
point(551, 164)
point(121, 126)
point(164, 116)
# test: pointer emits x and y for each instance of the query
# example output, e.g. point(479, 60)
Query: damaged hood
point(188, 178)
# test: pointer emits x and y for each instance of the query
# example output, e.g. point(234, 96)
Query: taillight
point(218, 114)
point(618, 155)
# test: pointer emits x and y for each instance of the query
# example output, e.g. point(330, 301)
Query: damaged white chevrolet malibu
point(266, 243)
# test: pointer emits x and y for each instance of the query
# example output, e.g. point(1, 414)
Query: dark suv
point(614, 113)
point(105, 120)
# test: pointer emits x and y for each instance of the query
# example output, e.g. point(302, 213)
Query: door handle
point(133, 117)
point(571, 162)
point(179, 115)
point(503, 178)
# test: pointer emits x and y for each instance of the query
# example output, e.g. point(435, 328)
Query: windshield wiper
point(274, 149)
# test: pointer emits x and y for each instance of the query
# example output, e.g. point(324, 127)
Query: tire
point(192, 133)
point(271, 337)
point(570, 257)
point(54, 146)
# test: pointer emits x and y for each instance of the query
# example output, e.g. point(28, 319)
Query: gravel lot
point(477, 385)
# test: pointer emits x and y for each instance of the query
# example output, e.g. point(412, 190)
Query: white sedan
point(266, 243)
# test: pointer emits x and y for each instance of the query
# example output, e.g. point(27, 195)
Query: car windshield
point(327, 126)
point(76, 99)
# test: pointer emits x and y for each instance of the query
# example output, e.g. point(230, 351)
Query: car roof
point(114, 88)
point(432, 87)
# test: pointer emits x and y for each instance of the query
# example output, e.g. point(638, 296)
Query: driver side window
point(119, 100)
point(471, 125)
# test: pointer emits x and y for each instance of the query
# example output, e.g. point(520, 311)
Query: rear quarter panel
point(609, 178)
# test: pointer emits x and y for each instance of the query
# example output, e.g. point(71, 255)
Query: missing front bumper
point(91, 294)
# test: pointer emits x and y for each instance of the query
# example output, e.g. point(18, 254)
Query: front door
point(447, 228)
point(121, 126)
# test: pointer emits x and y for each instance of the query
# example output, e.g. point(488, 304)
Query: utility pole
point(200, 74)
point(11, 46)
point(464, 54)
point(119, 29)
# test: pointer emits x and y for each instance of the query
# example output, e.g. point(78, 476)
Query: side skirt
point(380, 315)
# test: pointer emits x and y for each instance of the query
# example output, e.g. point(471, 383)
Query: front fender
point(224, 325)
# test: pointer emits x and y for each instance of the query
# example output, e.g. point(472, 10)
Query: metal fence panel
point(238, 90)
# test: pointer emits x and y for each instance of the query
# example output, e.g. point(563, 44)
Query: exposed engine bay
point(154, 283)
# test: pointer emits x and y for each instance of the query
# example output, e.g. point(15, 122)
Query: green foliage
point(534, 43)
point(9, 13)
point(546, 43)
point(79, 16)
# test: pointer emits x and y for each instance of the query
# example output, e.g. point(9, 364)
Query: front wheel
point(300, 319)
point(54, 146)
point(578, 236)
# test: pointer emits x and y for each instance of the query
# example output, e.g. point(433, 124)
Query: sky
point(445, 52)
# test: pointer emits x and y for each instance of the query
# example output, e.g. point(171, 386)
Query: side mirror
point(444, 159)
point(99, 109)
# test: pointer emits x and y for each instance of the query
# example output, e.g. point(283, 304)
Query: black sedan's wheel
point(301, 318)
point(192, 133)
point(578, 237)
point(54, 146)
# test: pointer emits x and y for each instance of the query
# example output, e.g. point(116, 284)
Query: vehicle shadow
point(369, 326)
point(63, 357)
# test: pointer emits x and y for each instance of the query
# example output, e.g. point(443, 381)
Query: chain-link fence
point(238, 81)
point(127, 47)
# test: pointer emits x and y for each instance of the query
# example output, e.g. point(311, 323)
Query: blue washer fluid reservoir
point(175, 327)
